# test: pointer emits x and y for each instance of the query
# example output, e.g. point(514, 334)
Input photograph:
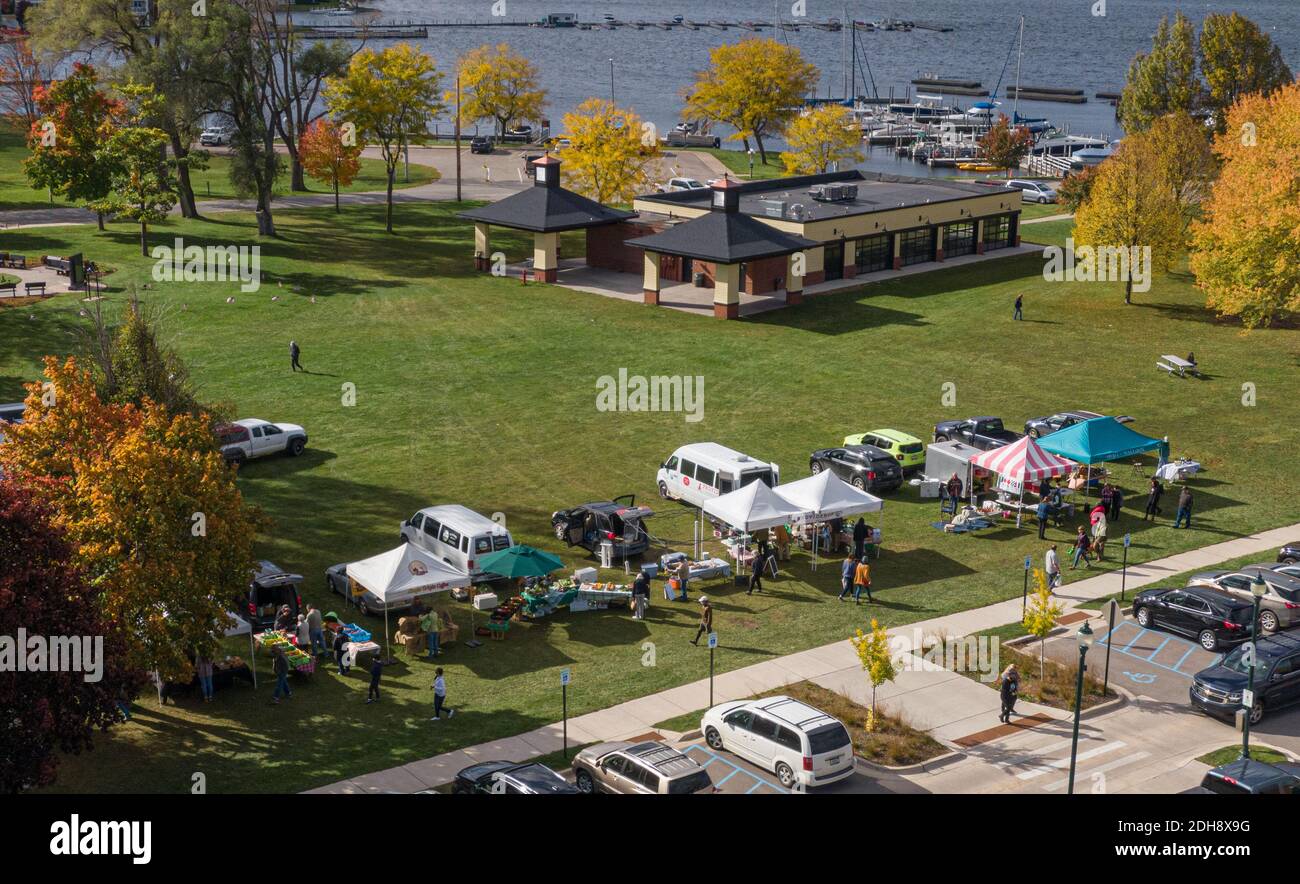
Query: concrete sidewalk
point(953, 708)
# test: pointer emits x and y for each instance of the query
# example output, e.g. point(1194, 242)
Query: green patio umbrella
point(520, 561)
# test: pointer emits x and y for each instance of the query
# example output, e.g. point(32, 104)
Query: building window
point(875, 253)
point(959, 239)
point(916, 246)
point(997, 232)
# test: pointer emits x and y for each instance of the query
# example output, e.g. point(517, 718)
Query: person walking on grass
point(1099, 528)
point(683, 578)
point(640, 595)
point(706, 620)
point(848, 568)
point(203, 669)
point(376, 670)
point(1081, 545)
point(862, 581)
point(280, 665)
point(1184, 514)
point(1153, 500)
point(1116, 504)
point(1053, 565)
point(859, 537)
point(294, 353)
point(440, 696)
point(1043, 512)
point(340, 644)
point(756, 577)
point(1009, 690)
point(1020, 303)
point(1107, 497)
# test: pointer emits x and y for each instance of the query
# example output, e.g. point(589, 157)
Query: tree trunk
point(1128, 287)
point(336, 195)
point(762, 151)
point(388, 219)
point(144, 239)
point(297, 180)
point(184, 188)
point(99, 217)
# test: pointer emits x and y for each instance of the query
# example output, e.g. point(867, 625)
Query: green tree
point(77, 117)
point(877, 661)
point(140, 186)
point(755, 86)
point(1163, 80)
point(1187, 165)
point(1041, 615)
point(389, 96)
point(1237, 58)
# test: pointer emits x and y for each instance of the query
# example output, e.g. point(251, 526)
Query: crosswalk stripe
point(1110, 765)
point(1060, 763)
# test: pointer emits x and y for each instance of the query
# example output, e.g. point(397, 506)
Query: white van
point(457, 535)
point(704, 470)
point(797, 742)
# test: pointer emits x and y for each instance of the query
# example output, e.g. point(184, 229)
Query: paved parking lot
point(733, 775)
point(1147, 662)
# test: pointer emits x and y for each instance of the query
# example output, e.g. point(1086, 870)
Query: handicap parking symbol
point(1141, 677)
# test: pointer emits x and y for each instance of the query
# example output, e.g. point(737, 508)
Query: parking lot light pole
point(1257, 591)
point(1085, 640)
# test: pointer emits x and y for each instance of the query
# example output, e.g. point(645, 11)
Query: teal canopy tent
point(1100, 440)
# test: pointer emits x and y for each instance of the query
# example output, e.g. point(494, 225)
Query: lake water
point(1065, 46)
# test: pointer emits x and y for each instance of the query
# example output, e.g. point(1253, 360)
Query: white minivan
point(798, 743)
point(704, 470)
point(457, 535)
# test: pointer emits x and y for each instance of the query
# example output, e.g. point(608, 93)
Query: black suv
point(865, 467)
point(616, 521)
point(270, 589)
point(1218, 689)
point(1213, 618)
point(480, 144)
point(1249, 777)
point(511, 778)
point(1290, 554)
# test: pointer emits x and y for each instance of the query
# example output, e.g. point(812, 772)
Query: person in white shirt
point(1053, 568)
point(440, 696)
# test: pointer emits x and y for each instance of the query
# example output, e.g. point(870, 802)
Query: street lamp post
point(611, 81)
point(1085, 641)
point(1257, 591)
point(751, 163)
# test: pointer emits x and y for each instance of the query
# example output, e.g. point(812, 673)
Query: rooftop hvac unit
point(796, 211)
point(833, 193)
point(772, 208)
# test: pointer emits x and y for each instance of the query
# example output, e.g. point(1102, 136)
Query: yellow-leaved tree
point(755, 86)
point(1041, 615)
point(877, 661)
point(1246, 249)
point(611, 154)
point(389, 96)
point(1130, 206)
point(501, 85)
point(1179, 146)
point(153, 514)
point(825, 136)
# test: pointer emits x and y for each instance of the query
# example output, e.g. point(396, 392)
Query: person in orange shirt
point(862, 581)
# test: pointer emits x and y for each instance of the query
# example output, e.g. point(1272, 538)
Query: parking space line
point(1183, 658)
point(759, 782)
point(1158, 649)
point(1142, 632)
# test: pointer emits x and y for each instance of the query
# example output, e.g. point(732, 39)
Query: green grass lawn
point(210, 183)
point(480, 391)
point(1227, 754)
point(737, 161)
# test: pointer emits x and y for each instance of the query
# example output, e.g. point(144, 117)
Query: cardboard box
point(585, 575)
point(415, 644)
point(486, 601)
point(408, 625)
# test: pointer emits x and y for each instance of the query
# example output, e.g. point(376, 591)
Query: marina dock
point(398, 30)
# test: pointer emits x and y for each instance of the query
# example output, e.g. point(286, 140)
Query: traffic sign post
point(1024, 595)
point(713, 643)
point(1112, 611)
point(1123, 573)
point(564, 708)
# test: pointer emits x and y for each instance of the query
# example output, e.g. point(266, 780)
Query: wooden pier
point(395, 29)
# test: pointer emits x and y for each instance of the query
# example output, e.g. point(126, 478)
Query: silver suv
point(647, 768)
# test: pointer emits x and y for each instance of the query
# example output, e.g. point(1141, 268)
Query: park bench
point(62, 266)
point(9, 288)
point(18, 262)
point(33, 288)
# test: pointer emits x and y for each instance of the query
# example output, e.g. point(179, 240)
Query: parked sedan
point(908, 450)
point(1037, 427)
point(1212, 617)
point(1290, 553)
point(511, 778)
point(1280, 606)
point(865, 467)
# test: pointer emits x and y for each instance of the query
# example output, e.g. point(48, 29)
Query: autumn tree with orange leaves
point(1246, 247)
point(326, 155)
point(150, 508)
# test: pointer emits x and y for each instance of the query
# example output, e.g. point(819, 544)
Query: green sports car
point(909, 450)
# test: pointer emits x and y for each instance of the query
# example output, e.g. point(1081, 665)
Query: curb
point(920, 767)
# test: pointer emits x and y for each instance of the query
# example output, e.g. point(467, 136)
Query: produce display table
point(352, 650)
point(300, 660)
point(706, 569)
point(599, 597)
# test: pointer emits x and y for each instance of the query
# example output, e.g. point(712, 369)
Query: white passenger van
point(457, 535)
point(703, 470)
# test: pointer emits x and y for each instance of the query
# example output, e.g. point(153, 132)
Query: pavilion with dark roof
point(725, 240)
point(546, 210)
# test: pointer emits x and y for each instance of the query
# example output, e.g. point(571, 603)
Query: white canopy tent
point(825, 496)
point(752, 508)
point(398, 576)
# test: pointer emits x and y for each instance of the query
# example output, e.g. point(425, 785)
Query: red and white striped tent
point(1019, 463)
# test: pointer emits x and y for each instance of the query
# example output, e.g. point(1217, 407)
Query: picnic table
point(1177, 365)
